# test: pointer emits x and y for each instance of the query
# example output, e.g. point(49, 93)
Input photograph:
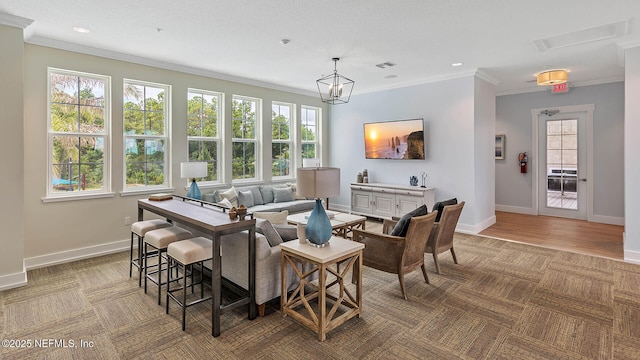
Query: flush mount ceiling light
point(80, 29)
point(335, 88)
point(552, 77)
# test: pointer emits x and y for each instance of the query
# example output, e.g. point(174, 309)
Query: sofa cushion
point(402, 226)
point(245, 198)
point(440, 206)
point(265, 228)
point(282, 195)
point(231, 195)
point(287, 232)
point(273, 217)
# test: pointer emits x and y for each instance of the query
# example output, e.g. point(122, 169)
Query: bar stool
point(159, 240)
point(187, 253)
point(140, 228)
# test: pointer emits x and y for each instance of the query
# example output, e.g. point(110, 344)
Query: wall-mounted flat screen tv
point(398, 139)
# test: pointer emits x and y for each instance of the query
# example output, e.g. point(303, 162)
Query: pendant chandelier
point(552, 77)
point(335, 88)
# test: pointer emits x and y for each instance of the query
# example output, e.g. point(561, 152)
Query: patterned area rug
point(503, 300)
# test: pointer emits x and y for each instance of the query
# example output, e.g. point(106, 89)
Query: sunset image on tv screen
point(403, 139)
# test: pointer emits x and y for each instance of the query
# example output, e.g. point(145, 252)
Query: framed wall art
point(500, 147)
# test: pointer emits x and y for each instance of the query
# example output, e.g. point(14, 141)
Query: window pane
point(281, 162)
point(134, 122)
point(155, 123)
point(243, 160)
point(244, 119)
point(64, 118)
point(280, 122)
point(77, 163)
point(145, 162)
point(200, 150)
point(308, 151)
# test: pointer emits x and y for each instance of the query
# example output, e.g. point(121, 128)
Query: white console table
point(388, 200)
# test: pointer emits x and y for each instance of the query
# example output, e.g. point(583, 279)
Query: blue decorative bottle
point(318, 230)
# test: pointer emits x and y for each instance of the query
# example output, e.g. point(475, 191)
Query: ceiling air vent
point(597, 33)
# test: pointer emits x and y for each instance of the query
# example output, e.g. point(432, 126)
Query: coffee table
point(341, 223)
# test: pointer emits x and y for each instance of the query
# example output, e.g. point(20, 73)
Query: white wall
point(513, 118)
point(632, 149)
point(61, 230)
point(11, 147)
point(451, 142)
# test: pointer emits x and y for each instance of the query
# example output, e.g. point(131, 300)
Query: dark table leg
point(252, 273)
point(216, 285)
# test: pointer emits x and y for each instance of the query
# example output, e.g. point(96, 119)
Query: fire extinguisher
point(522, 160)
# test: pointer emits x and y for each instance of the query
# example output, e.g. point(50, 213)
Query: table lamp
point(318, 183)
point(193, 170)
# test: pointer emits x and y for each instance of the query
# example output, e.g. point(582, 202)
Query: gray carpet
point(503, 301)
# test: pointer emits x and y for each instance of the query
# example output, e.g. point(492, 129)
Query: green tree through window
point(202, 129)
point(78, 129)
point(145, 136)
point(244, 138)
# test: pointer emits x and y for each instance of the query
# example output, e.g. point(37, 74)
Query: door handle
point(584, 179)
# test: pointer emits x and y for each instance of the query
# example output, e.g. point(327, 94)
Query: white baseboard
point(632, 256)
point(516, 209)
point(340, 208)
point(477, 228)
point(607, 220)
point(76, 254)
point(13, 280)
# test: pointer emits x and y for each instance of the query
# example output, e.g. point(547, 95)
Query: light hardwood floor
point(578, 236)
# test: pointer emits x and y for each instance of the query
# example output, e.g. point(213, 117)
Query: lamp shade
point(193, 170)
point(318, 182)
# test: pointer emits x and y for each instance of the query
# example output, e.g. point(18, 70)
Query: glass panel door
point(562, 164)
point(562, 167)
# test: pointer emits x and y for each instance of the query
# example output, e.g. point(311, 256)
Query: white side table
point(303, 306)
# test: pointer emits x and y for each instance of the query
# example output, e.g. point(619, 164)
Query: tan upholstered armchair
point(396, 254)
point(441, 238)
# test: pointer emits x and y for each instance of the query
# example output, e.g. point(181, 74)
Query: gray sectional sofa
point(261, 198)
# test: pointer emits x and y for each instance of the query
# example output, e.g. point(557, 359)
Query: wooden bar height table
point(300, 305)
point(214, 223)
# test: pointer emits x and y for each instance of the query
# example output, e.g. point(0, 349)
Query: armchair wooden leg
point(424, 273)
point(435, 260)
point(453, 253)
point(402, 287)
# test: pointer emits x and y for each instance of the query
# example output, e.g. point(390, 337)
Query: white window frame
point(256, 140)
point(105, 134)
point(219, 139)
point(317, 142)
point(291, 141)
point(166, 185)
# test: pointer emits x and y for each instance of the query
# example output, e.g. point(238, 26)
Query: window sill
point(75, 197)
point(146, 191)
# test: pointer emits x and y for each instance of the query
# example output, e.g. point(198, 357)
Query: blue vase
point(194, 191)
point(318, 230)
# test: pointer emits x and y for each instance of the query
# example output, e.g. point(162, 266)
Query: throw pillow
point(440, 206)
point(245, 198)
point(282, 195)
point(230, 195)
point(226, 203)
point(265, 228)
point(267, 193)
point(402, 226)
point(272, 216)
point(287, 232)
point(257, 195)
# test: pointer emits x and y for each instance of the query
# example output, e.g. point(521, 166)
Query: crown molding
point(88, 50)
point(15, 21)
point(571, 85)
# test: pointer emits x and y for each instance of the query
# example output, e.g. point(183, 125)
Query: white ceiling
point(241, 38)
